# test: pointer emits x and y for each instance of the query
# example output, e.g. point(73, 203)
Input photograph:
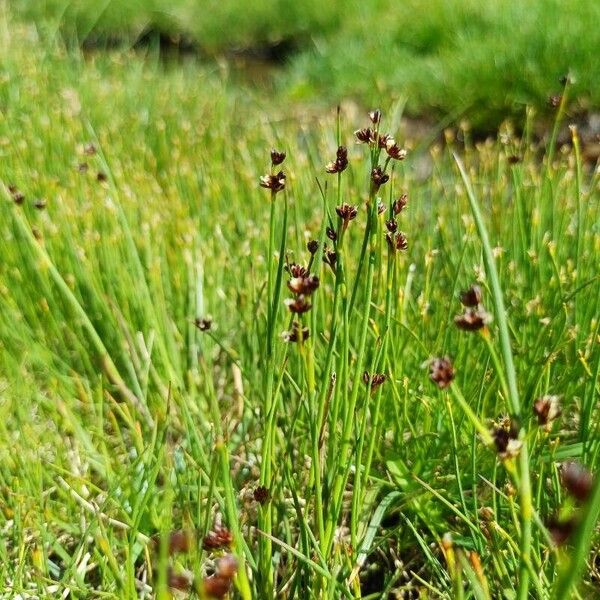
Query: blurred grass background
point(448, 58)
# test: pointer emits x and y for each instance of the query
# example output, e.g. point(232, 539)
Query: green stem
point(511, 379)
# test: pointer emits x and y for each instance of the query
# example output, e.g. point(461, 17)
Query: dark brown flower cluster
point(379, 177)
point(578, 482)
point(365, 136)
point(441, 372)
point(394, 151)
point(474, 317)
point(203, 323)
point(347, 213)
point(274, 181)
point(373, 381)
point(340, 163)
point(261, 494)
point(302, 285)
point(17, 196)
point(217, 539)
point(547, 410)
point(330, 258)
point(506, 438)
point(214, 586)
point(396, 240)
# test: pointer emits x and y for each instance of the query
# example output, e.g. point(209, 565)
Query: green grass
point(122, 422)
point(448, 59)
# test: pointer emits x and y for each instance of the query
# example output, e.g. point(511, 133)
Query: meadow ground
point(176, 390)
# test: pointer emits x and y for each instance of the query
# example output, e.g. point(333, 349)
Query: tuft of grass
point(123, 422)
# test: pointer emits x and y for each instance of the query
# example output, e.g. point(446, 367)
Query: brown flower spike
point(441, 372)
point(378, 177)
point(577, 480)
point(277, 157)
point(473, 319)
point(296, 333)
point(347, 213)
point(275, 183)
point(219, 537)
point(547, 410)
point(471, 297)
point(340, 163)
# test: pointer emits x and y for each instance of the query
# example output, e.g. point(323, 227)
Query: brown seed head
point(275, 183)
point(331, 234)
point(262, 494)
point(295, 334)
point(312, 246)
point(384, 139)
point(227, 566)
point(305, 284)
point(40, 204)
point(375, 116)
point(216, 586)
point(330, 258)
point(554, 101)
point(178, 581)
point(577, 480)
point(391, 225)
point(180, 541)
point(89, 149)
point(101, 177)
point(203, 323)
point(298, 305)
point(219, 538)
point(506, 439)
point(471, 297)
point(18, 198)
point(441, 372)
point(472, 319)
point(394, 151)
point(378, 177)
point(340, 163)
point(400, 204)
point(277, 157)
point(547, 410)
point(296, 270)
point(561, 531)
point(347, 213)
point(374, 380)
point(396, 241)
point(365, 136)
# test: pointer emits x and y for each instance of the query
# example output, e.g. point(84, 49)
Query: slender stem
point(511, 379)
